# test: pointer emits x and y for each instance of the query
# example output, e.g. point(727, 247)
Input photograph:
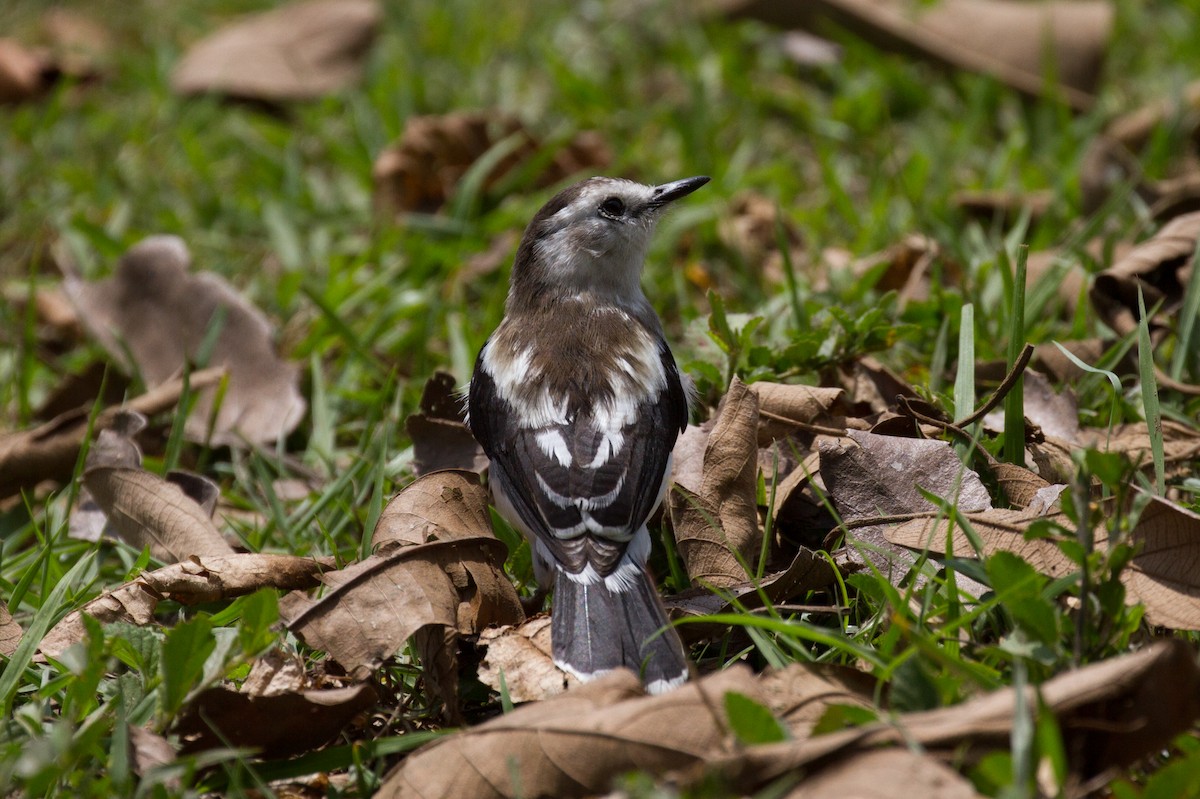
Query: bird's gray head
point(591, 240)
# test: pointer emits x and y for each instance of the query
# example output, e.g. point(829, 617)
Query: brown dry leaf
point(807, 572)
point(143, 508)
point(908, 268)
point(421, 171)
point(1181, 444)
point(873, 387)
point(439, 432)
point(79, 42)
point(299, 51)
point(894, 773)
point(24, 74)
point(576, 743)
point(1134, 129)
point(154, 311)
point(1010, 41)
point(50, 451)
point(189, 582)
point(801, 693)
point(1056, 414)
point(275, 672)
point(1067, 270)
point(437, 563)
point(868, 475)
point(275, 725)
point(750, 227)
point(999, 530)
point(784, 409)
point(150, 750)
point(10, 632)
point(1004, 207)
point(1165, 573)
point(1111, 713)
point(80, 390)
point(716, 527)
point(1020, 485)
point(1159, 266)
point(522, 654)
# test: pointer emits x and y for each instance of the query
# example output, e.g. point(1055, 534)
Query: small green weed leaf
point(184, 653)
point(752, 722)
point(913, 687)
point(260, 612)
point(1019, 587)
point(840, 717)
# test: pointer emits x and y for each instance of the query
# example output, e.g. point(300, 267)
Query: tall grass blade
point(1150, 395)
point(1014, 403)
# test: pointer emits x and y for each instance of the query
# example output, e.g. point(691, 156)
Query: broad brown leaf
point(134, 602)
point(441, 506)
point(154, 311)
point(576, 743)
point(1165, 573)
point(784, 408)
point(421, 171)
point(1011, 42)
point(894, 773)
point(274, 725)
point(716, 528)
point(298, 51)
point(24, 74)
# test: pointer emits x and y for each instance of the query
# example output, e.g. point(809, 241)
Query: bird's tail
point(595, 629)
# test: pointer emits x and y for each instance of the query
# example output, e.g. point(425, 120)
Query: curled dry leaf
point(1160, 267)
point(50, 451)
point(1111, 713)
point(1011, 42)
point(522, 655)
point(160, 315)
point(421, 171)
point(295, 52)
point(437, 563)
point(274, 725)
point(439, 432)
point(143, 508)
point(576, 743)
point(716, 523)
point(80, 43)
point(908, 268)
point(784, 409)
point(149, 750)
point(207, 579)
point(1165, 573)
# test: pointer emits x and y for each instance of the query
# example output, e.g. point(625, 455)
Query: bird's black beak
point(669, 192)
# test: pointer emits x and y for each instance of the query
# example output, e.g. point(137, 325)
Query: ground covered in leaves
point(934, 529)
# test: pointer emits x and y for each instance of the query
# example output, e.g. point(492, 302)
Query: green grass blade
point(1014, 403)
point(1150, 395)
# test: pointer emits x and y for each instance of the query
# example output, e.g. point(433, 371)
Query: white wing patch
point(553, 445)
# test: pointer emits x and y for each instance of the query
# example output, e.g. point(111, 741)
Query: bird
point(577, 401)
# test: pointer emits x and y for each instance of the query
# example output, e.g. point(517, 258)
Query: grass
point(856, 154)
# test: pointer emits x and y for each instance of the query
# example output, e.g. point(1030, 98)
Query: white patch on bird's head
point(597, 242)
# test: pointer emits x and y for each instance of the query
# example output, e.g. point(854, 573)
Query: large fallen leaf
point(1112, 713)
point(295, 52)
point(521, 656)
point(441, 506)
point(785, 408)
point(273, 725)
point(716, 522)
point(24, 74)
point(422, 170)
point(886, 774)
point(576, 743)
point(192, 581)
point(1164, 575)
point(155, 312)
point(143, 508)
point(1160, 267)
point(1017, 43)
point(439, 432)
point(50, 451)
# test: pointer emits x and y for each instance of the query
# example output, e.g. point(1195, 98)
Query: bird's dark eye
point(613, 207)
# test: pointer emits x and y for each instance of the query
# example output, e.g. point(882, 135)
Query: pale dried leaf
point(1011, 42)
point(154, 311)
point(717, 529)
point(1110, 713)
point(687, 458)
point(51, 450)
point(1020, 485)
point(24, 74)
point(437, 650)
point(800, 694)
point(1057, 414)
point(1165, 573)
point(79, 42)
point(439, 432)
point(149, 750)
point(133, 602)
point(751, 227)
point(276, 725)
point(275, 672)
point(785, 408)
point(574, 744)
point(894, 773)
point(523, 655)
point(10, 632)
point(1159, 267)
point(295, 52)
point(441, 506)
